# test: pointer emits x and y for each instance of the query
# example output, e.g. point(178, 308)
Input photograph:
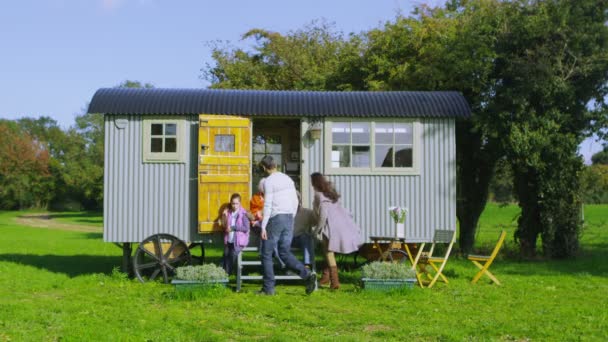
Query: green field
point(59, 284)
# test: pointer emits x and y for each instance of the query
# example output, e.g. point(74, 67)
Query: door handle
point(204, 148)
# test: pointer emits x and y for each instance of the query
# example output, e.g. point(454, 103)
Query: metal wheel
point(396, 256)
point(157, 257)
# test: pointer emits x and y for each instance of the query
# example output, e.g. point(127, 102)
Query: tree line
point(45, 166)
point(534, 73)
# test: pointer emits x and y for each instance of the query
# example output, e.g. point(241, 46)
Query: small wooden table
point(403, 246)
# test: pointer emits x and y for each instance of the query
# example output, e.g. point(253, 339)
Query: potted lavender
point(398, 214)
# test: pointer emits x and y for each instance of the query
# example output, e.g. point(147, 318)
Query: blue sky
point(54, 54)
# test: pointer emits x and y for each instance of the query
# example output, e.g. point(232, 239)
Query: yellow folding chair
point(487, 261)
point(427, 259)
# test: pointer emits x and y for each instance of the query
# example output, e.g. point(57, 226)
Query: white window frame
point(164, 157)
point(373, 169)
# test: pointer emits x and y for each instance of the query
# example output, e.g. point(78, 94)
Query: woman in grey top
point(335, 228)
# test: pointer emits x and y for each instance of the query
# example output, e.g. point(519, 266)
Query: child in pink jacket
point(236, 232)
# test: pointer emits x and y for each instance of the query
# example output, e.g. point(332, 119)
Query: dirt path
point(45, 221)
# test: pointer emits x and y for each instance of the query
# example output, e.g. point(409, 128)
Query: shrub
point(387, 270)
point(206, 272)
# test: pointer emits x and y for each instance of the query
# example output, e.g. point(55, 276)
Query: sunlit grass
point(57, 284)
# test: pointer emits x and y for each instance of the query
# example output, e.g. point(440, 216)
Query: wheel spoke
point(154, 274)
point(158, 246)
point(178, 259)
point(145, 266)
point(165, 275)
point(143, 249)
point(173, 244)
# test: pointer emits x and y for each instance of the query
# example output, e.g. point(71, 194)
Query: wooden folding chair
point(487, 259)
point(426, 259)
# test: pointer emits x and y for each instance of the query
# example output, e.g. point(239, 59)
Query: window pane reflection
point(170, 129)
point(403, 133)
point(384, 156)
point(157, 129)
point(340, 156)
point(360, 156)
point(403, 156)
point(223, 143)
point(360, 131)
point(384, 133)
point(156, 145)
point(170, 145)
point(340, 132)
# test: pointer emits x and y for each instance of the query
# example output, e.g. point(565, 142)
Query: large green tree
point(552, 68)
point(304, 59)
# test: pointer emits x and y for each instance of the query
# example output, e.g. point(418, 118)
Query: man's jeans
point(279, 232)
point(305, 242)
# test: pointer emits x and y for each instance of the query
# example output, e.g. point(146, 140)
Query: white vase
point(400, 230)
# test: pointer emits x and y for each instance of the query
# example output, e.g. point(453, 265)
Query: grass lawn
point(58, 284)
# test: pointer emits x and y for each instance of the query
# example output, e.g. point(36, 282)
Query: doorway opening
point(279, 138)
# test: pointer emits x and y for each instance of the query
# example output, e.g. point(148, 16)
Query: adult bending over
point(280, 206)
point(336, 228)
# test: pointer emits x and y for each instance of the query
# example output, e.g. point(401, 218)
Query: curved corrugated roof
point(280, 103)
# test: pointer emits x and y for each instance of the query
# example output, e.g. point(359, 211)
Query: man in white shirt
point(280, 206)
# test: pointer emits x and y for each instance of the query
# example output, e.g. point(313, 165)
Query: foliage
point(41, 267)
point(594, 183)
point(302, 59)
point(398, 214)
point(45, 165)
point(206, 272)
point(387, 270)
point(600, 157)
point(562, 46)
point(24, 169)
point(501, 187)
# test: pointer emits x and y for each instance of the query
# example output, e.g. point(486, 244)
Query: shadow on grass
point(80, 217)
point(71, 265)
point(591, 260)
point(93, 236)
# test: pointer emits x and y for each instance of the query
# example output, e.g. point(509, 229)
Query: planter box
point(387, 284)
point(189, 285)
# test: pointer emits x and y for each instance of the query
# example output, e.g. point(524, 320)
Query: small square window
point(224, 143)
point(163, 140)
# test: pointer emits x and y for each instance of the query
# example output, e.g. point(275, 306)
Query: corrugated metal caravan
point(169, 154)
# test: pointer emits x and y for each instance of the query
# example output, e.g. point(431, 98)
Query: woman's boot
point(325, 279)
point(333, 275)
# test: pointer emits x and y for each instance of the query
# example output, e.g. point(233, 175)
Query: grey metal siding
point(430, 196)
point(141, 199)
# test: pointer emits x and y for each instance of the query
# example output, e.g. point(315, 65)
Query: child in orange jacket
point(256, 205)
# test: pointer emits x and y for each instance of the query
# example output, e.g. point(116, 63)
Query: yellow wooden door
point(224, 147)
